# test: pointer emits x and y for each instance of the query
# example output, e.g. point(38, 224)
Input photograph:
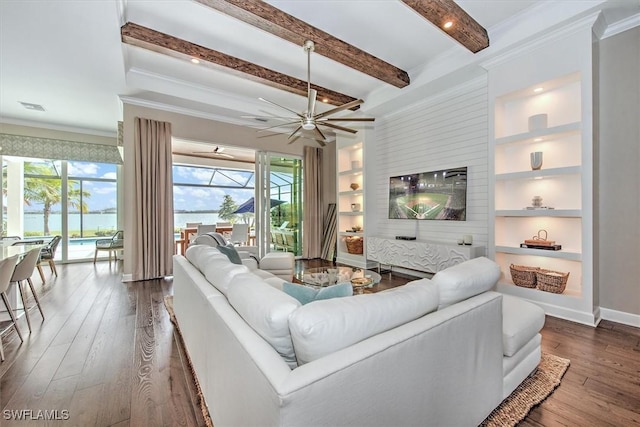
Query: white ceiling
point(68, 57)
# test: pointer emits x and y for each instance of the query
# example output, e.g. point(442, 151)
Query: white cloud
point(82, 169)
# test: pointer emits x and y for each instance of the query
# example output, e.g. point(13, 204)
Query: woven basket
point(354, 245)
point(551, 281)
point(523, 276)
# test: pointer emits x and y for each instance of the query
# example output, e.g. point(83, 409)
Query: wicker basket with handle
point(523, 275)
point(551, 281)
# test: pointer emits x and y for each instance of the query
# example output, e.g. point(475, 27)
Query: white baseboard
point(127, 277)
point(620, 317)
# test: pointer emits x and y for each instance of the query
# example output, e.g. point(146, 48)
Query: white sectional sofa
point(432, 352)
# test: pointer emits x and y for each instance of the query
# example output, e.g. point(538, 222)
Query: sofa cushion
point(266, 310)
point(307, 294)
point(220, 272)
point(521, 321)
point(231, 252)
point(465, 280)
point(201, 255)
point(329, 325)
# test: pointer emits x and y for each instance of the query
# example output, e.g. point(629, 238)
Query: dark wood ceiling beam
point(466, 30)
point(146, 38)
point(272, 20)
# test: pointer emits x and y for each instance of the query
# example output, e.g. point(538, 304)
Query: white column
point(15, 197)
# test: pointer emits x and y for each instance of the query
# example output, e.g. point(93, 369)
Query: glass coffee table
point(359, 278)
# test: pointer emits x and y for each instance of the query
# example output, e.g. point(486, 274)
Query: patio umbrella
point(250, 206)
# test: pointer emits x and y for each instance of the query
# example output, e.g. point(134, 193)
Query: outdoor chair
point(11, 238)
point(48, 253)
point(114, 244)
point(7, 266)
point(239, 234)
point(23, 271)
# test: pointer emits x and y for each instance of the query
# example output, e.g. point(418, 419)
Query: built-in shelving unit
point(351, 202)
point(554, 80)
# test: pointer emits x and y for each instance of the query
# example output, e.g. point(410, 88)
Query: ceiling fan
point(216, 152)
point(308, 120)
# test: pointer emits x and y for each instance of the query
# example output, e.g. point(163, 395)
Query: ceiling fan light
point(308, 125)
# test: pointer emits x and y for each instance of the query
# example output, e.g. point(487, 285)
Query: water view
point(99, 224)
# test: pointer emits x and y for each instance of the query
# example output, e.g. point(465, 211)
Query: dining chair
point(239, 234)
point(47, 254)
point(23, 272)
point(32, 242)
point(6, 270)
point(114, 244)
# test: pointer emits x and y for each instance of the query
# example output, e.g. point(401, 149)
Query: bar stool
point(22, 272)
point(6, 270)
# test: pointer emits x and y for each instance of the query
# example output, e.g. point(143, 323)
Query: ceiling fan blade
point(340, 108)
point(213, 154)
point(331, 125)
point(284, 108)
point(349, 119)
point(294, 139)
point(269, 117)
point(311, 102)
point(295, 131)
point(319, 132)
point(280, 125)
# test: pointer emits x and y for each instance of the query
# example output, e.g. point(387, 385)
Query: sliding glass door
point(44, 198)
point(279, 202)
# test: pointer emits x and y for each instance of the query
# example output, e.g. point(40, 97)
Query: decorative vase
point(354, 186)
point(537, 122)
point(536, 160)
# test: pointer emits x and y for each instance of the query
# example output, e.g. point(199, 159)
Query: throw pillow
point(231, 253)
point(307, 294)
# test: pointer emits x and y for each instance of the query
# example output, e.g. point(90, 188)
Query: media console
point(419, 255)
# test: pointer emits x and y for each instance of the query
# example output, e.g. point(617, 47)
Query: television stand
point(420, 255)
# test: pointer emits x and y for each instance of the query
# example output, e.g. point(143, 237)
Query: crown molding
point(163, 106)
point(622, 26)
point(61, 128)
point(540, 39)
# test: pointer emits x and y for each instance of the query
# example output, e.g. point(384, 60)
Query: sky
point(239, 184)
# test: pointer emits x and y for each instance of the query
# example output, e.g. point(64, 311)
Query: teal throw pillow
point(231, 253)
point(307, 294)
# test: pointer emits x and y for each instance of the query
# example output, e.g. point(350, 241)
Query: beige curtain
point(152, 240)
point(312, 202)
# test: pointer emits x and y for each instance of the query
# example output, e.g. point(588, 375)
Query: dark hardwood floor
point(107, 355)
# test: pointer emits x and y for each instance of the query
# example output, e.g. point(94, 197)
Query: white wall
point(619, 184)
point(446, 131)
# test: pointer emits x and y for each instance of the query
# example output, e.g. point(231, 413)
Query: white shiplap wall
point(445, 131)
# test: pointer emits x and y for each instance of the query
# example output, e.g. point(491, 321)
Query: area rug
point(533, 390)
point(168, 304)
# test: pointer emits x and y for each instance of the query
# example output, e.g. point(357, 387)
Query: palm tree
point(47, 191)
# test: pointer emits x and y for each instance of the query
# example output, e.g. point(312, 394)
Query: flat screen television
point(439, 195)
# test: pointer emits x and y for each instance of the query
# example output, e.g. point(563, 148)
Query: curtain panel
point(153, 239)
point(312, 202)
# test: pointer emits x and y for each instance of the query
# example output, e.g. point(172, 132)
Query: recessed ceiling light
point(325, 100)
point(33, 107)
point(447, 25)
point(538, 89)
point(195, 60)
point(538, 177)
point(537, 139)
